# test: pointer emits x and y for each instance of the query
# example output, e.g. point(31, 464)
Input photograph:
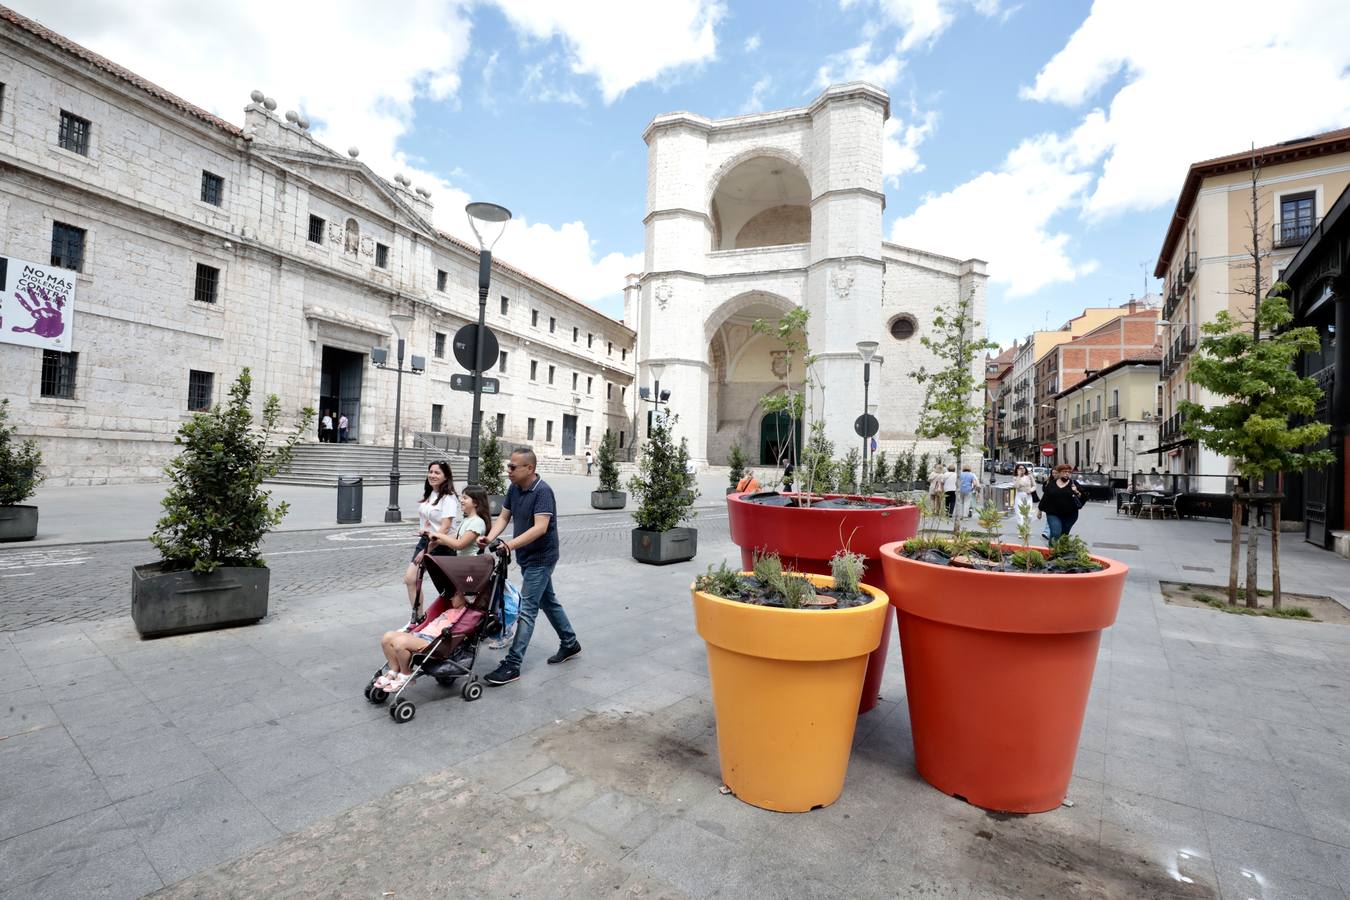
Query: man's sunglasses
point(511, 467)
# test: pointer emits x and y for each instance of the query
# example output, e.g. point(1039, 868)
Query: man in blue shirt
point(966, 491)
point(531, 509)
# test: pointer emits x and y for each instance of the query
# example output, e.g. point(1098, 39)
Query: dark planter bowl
point(18, 523)
point(806, 539)
point(608, 499)
point(164, 603)
point(661, 548)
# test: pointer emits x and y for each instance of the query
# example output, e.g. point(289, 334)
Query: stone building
point(752, 216)
point(201, 247)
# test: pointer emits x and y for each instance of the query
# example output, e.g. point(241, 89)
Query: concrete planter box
point(164, 603)
point(18, 523)
point(660, 548)
point(608, 499)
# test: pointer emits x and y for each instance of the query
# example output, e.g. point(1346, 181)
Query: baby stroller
point(482, 580)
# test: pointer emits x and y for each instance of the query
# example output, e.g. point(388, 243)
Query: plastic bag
point(510, 606)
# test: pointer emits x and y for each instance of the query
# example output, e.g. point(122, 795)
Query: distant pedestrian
point(966, 484)
point(1024, 489)
point(532, 511)
point(326, 428)
point(1060, 501)
point(342, 428)
point(788, 473)
point(936, 481)
point(950, 481)
point(748, 484)
point(590, 460)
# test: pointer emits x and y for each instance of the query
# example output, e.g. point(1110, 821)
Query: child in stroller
point(443, 642)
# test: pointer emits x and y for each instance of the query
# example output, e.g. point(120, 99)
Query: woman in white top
point(1023, 487)
point(436, 514)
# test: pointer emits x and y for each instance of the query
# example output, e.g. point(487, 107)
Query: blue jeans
point(536, 594)
point(1059, 525)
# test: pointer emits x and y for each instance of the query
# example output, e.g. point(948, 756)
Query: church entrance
point(775, 431)
point(340, 389)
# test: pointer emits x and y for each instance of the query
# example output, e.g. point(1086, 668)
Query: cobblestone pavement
point(93, 582)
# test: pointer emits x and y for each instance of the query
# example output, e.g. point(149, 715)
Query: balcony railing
point(1077, 421)
point(1096, 416)
point(1172, 427)
point(1113, 411)
point(1293, 232)
point(1179, 349)
point(1188, 268)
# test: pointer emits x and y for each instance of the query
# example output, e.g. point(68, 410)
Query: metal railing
point(1293, 232)
point(1077, 421)
point(1113, 411)
point(1188, 265)
point(1172, 427)
point(1096, 416)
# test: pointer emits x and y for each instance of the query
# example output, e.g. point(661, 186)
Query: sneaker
point(503, 674)
point(564, 654)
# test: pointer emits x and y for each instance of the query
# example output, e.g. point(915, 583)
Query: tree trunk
point(1234, 549)
point(1252, 557)
point(1275, 554)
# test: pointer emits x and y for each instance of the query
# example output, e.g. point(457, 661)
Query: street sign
point(866, 425)
point(465, 383)
point(464, 347)
point(1047, 449)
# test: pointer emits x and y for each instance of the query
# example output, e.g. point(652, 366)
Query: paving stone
point(121, 874)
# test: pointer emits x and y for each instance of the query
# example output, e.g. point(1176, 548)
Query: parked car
point(1040, 473)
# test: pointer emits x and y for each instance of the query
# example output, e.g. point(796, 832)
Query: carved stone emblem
point(663, 294)
point(781, 365)
point(842, 282)
point(367, 246)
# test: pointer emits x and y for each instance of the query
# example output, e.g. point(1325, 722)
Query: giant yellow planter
point(786, 685)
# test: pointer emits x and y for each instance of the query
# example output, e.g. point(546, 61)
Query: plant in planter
point(20, 475)
point(787, 656)
point(491, 472)
point(607, 495)
point(666, 495)
point(903, 479)
point(736, 461)
point(846, 471)
point(879, 472)
point(216, 514)
point(998, 651)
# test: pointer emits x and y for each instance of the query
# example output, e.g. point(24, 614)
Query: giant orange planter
point(997, 672)
point(807, 537)
point(785, 686)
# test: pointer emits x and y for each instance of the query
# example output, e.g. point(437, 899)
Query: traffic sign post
point(465, 383)
point(866, 425)
point(1047, 449)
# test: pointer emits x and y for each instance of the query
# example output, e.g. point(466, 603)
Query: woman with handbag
point(1024, 492)
point(1060, 501)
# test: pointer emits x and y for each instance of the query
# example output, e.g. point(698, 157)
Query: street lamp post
point(401, 323)
point(488, 221)
point(866, 349)
point(656, 396)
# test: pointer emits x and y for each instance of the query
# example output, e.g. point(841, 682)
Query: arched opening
point(352, 244)
point(777, 432)
point(764, 201)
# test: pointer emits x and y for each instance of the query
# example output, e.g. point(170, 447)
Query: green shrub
point(490, 470)
point(736, 459)
point(720, 582)
point(609, 469)
point(1027, 560)
point(847, 569)
point(797, 591)
point(768, 570)
point(665, 490)
point(20, 463)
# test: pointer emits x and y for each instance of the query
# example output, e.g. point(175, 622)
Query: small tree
point(923, 470)
point(904, 469)
point(215, 512)
point(1253, 370)
point(490, 471)
point(790, 330)
point(846, 469)
point(950, 410)
point(662, 485)
point(609, 469)
point(880, 469)
point(736, 459)
point(20, 463)
point(818, 470)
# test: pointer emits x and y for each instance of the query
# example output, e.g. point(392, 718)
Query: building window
point(609, 390)
point(621, 440)
point(552, 324)
point(609, 349)
point(576, 334)
point(201, 388)
point(501, 423)
point(501, 361)
point(548, 432)
point(315, 230)
point(74, 134)
point(575, 376)
point(437, 410)
point(58, 374)
point(588, 435)
point(208, 280)
point(1115, 450)
point(623, 355)
point(1296, 219)
point(590, 341)
point(442, 277)
point(902, 328)
point(381, 256)
point(589, 381)
point(534, 318)
point(440, 345)
point(67, 246)
point(2, 98)
point(506, 305)
point(213, 188)
point(623, 393)
point(529, 429)
point(534, 370)
point(550, 374)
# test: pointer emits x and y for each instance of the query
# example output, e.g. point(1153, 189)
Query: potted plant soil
point(808, 528)
point(216, 514)
point(490, 471)
point(608, 496)
point(736, 461)
point(20, 476)
point(999, 642)
point(787, 654)
point(666, 495)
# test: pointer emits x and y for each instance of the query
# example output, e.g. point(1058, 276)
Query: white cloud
point(857, 64)
point(755, 102)
point(543, 86)
point(923, 21)
point(752, 43)
point(355, 70)
point(900, 145)
point(622, 43)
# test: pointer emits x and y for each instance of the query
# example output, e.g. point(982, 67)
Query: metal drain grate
point(1116, 546)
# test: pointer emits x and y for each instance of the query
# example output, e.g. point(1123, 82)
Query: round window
point(903, 327)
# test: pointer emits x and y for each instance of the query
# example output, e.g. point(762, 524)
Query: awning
point(1163, 448)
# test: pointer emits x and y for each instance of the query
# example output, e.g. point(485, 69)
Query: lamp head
point(665, 396)
point(657, 370)
point(867, 350)
point(488, 221)
point(401, 322)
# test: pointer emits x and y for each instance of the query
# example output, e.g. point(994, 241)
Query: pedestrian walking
point(748, 484)
point(342, 428)
point(788, 473)
point(590, 460)
point(950, 481)
point(936, 479)
point(1024, 490)
point(966, 484)
point(532, 511)
point(326, 428)
point(1060, 501)
point(437, 514)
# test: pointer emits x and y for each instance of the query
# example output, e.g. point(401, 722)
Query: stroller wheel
point(472, 690)
point(403, 711)
point(376, 695)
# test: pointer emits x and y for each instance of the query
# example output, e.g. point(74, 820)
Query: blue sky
point(1049, 138)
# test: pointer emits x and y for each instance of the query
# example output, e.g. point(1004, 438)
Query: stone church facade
point(752, 216)
point(202, 247)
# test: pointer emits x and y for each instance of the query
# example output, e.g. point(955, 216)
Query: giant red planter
point(998, 667)
point(807, 537)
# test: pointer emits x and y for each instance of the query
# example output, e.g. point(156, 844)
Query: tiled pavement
point(1214, 761)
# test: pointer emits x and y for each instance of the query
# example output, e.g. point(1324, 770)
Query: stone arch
point(759, 198)
point(352, 237)
point(727, 165)
point(738, 304)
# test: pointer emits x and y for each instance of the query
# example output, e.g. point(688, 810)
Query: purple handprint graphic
point(46, 312)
